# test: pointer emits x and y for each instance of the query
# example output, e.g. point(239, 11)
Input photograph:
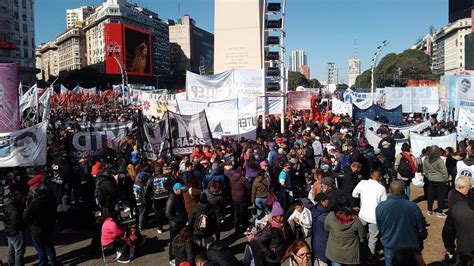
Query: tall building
point(331, 69)
point(305, 70)
point(460, 9)
point(193, 47)
point(17, 37)
point(78, 14)
point(354, 67)
point(437, 56)
point(297, 59)
point(139, 22)
point(237, 41)
point(72, 48)
point(48, 61)
point(454, 46)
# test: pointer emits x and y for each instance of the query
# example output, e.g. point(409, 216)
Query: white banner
point(465, 87)
point(29, 99)
point(403, 129)
point(353, 97)
point(218, 87)
point(419, 142)
point(340, 107)
point(44, 103)
point(26, 147)
point(412, 99)
point(465, 127)
point(374, 140)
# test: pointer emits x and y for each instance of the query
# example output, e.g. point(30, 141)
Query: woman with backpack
point(203, 221)
point(405, 165)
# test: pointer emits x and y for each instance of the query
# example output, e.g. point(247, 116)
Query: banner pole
point(169, 132)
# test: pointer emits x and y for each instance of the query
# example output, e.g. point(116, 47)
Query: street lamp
point(114, 51)
point(374, 63)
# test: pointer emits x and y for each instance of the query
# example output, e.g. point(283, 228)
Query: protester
point(406, 167)
point(298, 254)
point(203, 221)
point(176, 213)
point(14, 228)
point(300, 220)
point(400, 222)
point(437, 174)
point(112, 238)
point(460, 192)
point(182, 246)
point(260, 191)
point(319, 236)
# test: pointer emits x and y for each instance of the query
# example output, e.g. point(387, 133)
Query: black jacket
point(334, 194)
point(206, 209)
point(40, 214)
point(349, 182)
point(458, 226)
point(109, 188)
point(273, 244)
point(13, 217)
point(218, 252)
point(175, 210)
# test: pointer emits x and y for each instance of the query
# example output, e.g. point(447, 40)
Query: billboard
point(130, 46)
point(9, 114)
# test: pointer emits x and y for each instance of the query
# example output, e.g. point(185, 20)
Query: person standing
point(14, 228)
point(240, 190)
point(399, 221)
point(460, 192)
point(176, 213)
point(260, 191)
point(437, 174)
point(406, 167)
point(319, 236)
point(285, 195)
point(371, 193)
point(40, 215)
point(317, 150)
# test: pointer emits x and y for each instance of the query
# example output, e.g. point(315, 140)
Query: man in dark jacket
point(349, 182)
point(40, 215)
point(176, 213)
point(14, 227)
point(109, 193)
point(400, 222)
point(458, 226)
point(329, 188)
point(215, 175)
point(240, 189)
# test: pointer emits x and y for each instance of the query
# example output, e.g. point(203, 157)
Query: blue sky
point(324, 29)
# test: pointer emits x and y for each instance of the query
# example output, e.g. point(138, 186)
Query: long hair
point(294, 247)
point(139, 59)
point(433, 153)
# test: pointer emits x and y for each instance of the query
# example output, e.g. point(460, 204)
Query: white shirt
point(371, 194)
point(304, 219)
point(317, 148)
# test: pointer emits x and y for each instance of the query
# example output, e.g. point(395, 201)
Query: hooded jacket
point(343, 241)
point(40, 214)
point(240, 187)
point(319, 237)
point(260, 188)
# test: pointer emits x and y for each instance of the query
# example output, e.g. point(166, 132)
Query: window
point(25, 53)
point(25, 29)
point(23, 3)
point(25, 42)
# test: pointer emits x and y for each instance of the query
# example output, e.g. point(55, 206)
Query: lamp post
point(374, 63)
point(114, 51)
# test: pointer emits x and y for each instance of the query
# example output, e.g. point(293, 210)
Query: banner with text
point(412, 99)
point(419, 142)
point(299, 100)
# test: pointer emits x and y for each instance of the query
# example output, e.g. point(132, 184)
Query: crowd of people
point(318, 194)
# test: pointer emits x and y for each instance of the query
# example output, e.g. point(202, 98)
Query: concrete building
point(454, 46)
point(17, 37)
point(120, 11)
point(354, 70)
point(297, 59)
point(305, 70)
point(48, 61)
point(238, 41)
point(437, 56)
point(78, 14)
point(193, 47)
point(72, 48)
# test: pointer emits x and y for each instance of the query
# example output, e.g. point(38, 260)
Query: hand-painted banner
point(299, 100)
point(465, 128)
point(419, 142)
point(9, 114)
point(26, 147)
point(412, 99)
point(405, 130)
point(94, 142)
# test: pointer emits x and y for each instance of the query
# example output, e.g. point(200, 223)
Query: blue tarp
point(380, 114)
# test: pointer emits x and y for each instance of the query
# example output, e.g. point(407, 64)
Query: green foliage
point(397, 69)
point(314, 83)
point(296, 79)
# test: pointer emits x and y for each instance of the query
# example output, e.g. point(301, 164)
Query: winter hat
point(277, 210)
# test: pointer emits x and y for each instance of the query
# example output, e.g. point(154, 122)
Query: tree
point(396, 70)
point(296, 79)
point(314, 83)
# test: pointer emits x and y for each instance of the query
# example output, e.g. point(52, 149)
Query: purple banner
point(9, 116)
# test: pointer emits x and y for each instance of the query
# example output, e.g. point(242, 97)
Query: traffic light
point(273, 46)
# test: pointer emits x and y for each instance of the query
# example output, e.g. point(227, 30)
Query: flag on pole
point(63, 89)
point(29, 99)
point(44, 100)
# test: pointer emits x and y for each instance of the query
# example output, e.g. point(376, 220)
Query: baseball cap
point(179, 186)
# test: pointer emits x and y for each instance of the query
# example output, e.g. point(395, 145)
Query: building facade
point(119, 11)
point(195, 46)
point(305, 70)
point(437, 56)
point(48, 61)
point(454, 46)
point(354, 70)
point(78, 15)
point(460, 9)
point(238, 42)
point(17, 37)
point(297, 59)
point(72, 48)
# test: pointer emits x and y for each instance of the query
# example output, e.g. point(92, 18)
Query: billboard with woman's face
point(131, 46)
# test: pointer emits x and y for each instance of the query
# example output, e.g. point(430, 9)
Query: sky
point(326, 30)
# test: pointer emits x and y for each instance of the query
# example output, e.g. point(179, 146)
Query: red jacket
point(110, 231)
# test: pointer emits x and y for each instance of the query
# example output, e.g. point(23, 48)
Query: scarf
point(410, 160)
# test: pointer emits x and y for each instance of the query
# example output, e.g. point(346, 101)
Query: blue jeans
point(261, 204)
point(45, 248)
point(388, 253)
point(16, 249)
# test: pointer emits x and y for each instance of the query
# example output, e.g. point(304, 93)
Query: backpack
point(202, 222)
point(138, 193)
point(404, 168)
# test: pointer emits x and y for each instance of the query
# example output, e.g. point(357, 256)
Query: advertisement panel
point(113, 47)
point(137, 51)
point(299, 100)
point(130, 46)
point(9, 116)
